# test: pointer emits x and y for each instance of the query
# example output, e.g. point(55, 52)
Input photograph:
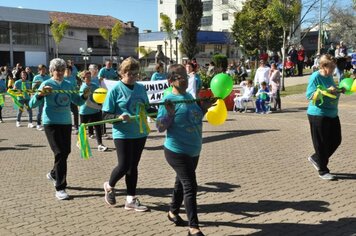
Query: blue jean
point(39, 114)
point(29, 111)
point(260, 105)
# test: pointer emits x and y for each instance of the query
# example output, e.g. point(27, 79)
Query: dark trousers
point(93, 118)
point(128, 156)
point(185, 187)
point(326, 137)
point(300, 66)
point(59, 139)
point(74, 110)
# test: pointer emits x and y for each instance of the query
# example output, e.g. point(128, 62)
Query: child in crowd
point(262, 97)
point(247, 94)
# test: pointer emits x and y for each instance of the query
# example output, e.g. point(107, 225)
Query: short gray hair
point(93, 67)
point(57, 64)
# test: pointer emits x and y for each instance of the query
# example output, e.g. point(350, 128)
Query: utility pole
point(320, 27)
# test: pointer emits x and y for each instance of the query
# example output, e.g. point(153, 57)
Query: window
point(225, 16)
point(225, 1)
point(201, 47)
point(217, 48)
point(206, 20)
point(4, 33)
point(207, 6)
point(28, 34)
point(71, 33)
point(160, 1)
point(179, 10)
point(95, 41)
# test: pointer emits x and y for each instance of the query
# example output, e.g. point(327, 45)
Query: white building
point(218, 15)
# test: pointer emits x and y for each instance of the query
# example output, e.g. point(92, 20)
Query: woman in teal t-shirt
point(323, 117)
point(122, 101)
point(183, 122)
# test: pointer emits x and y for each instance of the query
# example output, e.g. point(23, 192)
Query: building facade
point(218, 15)
point(208, 42)
point(23, 36)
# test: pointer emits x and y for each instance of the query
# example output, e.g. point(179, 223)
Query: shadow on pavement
point(344, 226)
point(252, 209)
point(233, 134)
point(20, 147)
point(345, 176)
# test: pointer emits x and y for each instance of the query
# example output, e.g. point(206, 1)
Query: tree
point(112, 35)
point(145, 52)
point(343, 25)
point(254, 30)
point(58, 30)
point(167, 26)
point(192, 13)
point(285, 13)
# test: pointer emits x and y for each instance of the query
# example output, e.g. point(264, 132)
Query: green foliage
point(58, 30)
point(145, 52)
point(167, 25)
point(284, 14)
point(221, 62)
point(112, 35)
point(192, 13)
point(205, 79)
point(254, 29)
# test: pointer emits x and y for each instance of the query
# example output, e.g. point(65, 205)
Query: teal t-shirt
point(107, 73)
point(73, 80)
point(38, 79)
point(95, 80)
point(123, 100)
point(184, 135)
point(329, 106)
point(56, 108)
point(158, 76)
point(19, 85)
point(89, 107)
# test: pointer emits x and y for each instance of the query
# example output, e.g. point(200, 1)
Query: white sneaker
point(62, 195)
point(50, 178)
point(135, 205)
point(327, 176)
point(1, 121)
point(92, 136)
point(30, 125)
point(102, 148)
point(18, 124)
point(39, 127)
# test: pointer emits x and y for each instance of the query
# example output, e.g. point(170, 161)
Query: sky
point(142, 12)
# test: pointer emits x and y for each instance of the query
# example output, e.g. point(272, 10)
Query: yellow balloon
point(217, 114)
point(99, 95)
point(353, 87)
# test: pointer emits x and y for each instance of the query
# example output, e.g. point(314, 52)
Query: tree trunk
point(170, 50)
point(56, 51)
point(111, 51)
point(283, 58)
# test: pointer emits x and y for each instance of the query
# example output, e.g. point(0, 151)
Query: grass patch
point(295, 89)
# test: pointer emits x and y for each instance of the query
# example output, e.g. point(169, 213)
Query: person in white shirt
point(246, 96)
point(274, 83)
point(262, 74)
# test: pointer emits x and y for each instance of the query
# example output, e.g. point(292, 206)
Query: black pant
point(300, 66)
point(185, 187)
point(93, 118)
point(59, 139)
point(128, 155)
point(326, 136)
point(74, 110)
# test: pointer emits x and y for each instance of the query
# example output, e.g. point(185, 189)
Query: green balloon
point(221, 85)
point(347, 84)
point(167, 91)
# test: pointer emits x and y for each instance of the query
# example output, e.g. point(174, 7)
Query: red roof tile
point(85, 20)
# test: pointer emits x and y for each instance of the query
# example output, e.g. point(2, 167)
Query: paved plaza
point(253, 176)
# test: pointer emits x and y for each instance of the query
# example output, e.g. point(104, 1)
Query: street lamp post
point(86, 54)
